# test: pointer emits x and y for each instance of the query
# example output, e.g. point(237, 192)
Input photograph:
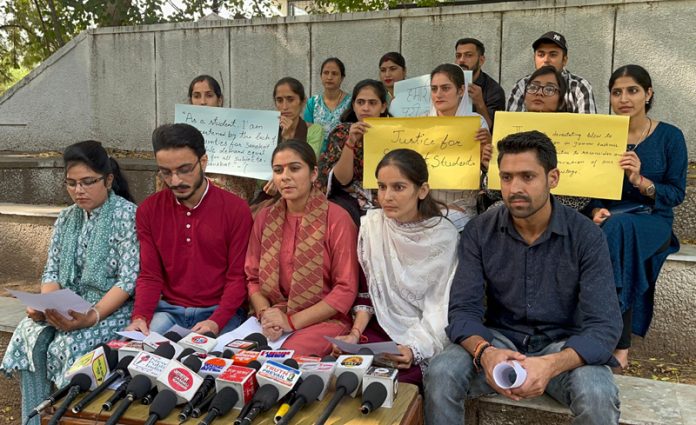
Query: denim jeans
point(167, 315)
point(589, 391)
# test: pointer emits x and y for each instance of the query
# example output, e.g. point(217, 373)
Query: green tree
point(342, 6)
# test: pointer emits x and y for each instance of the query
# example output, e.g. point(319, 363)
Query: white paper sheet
point(251, 326)
point(377, 348)
point(134, 335)
point(61, 301)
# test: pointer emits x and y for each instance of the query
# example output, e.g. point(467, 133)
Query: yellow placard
point(589, 147)
point(446, 143)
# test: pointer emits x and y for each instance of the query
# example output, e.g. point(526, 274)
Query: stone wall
point(117, 84)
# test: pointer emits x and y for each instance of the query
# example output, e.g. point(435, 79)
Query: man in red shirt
point(193, 241)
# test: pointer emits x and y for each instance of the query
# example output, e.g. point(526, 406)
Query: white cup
point(509, 375)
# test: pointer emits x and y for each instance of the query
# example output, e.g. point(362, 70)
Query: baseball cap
point(552, 37)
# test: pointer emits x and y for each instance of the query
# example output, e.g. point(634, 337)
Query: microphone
point(199, 343)
point(154, 340)
point(173, 336)
point(346, 383)
point(137, 388)
point(308, 392)
point(132, 348)
point(243, 358)
point(241, 379)
point(57, 395)
point(379, 388)
point(161, 406)
point(280, 377)
point(250, 343)
point(204, 405)
point(151, 364)
point(117, 395)
point(221, 405)
point(181, 378)
point(212, 368)
point(264, 399)
point(324, 369)
point(289, 397)
point(147, 398)
point(78, 384)
point(355, 363)
point(121, 371)
point(277, 355)
point(96, 364)
point(185, 353)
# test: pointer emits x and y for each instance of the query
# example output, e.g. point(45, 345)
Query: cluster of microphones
point(169, 371)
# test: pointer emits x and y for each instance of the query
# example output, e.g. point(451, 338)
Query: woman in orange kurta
point(301, 265)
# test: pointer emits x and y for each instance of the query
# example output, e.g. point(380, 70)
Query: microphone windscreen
point(215, 354)
point(375, 393)
point(264, 348)
point(254, 364)
point(258, 338)
point(172, 336)
point(139, 386)
point(224, 400)
point(193, 363)
point(227, 354)
point(163, 404)
point(209, 334)
point(266, 396)
point(365, 352)
point(347, 380)
point(292, 363)
point(311, 388)
point(111, 358)
point(82, 380)
point(186, 352)
point(328, 359)
point(165, 350)
point(123, 363)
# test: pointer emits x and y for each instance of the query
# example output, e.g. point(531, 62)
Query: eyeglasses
point(84, 183)
point(533, 88)
point(183, 171)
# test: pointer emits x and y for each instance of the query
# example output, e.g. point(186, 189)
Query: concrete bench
point(643, 402)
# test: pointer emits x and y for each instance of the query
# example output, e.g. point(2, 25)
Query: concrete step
point(12, 312)
point(643, 402)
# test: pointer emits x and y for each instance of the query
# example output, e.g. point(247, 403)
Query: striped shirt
point(579, 97)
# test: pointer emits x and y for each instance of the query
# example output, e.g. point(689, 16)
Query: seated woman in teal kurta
point(94, 252)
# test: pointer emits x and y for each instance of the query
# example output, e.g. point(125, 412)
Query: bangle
point(292, 326)
point(94, 308)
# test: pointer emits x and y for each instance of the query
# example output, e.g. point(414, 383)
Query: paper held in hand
point(61, 301)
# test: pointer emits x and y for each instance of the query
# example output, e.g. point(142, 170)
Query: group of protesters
point(460, 280)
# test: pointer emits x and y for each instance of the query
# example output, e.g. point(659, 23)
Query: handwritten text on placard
point(589, 147)
point(446, 143)
point(238, 142)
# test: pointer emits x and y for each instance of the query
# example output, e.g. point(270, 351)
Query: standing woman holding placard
point(204, 90)
point(639, 226)
point(447, 93)
point(301, 264)
point(341, 166)
point(326, 108)
point(392, 68)
point(94, 252)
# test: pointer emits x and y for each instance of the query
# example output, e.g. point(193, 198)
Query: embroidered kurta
point(340, 274)
point(640, 243)
point(316, 112)
point(107, 243)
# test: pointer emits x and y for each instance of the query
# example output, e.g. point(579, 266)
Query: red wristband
point(292, 326)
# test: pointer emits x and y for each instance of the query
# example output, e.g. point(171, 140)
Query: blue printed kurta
point(640, 243)
point(107, 233)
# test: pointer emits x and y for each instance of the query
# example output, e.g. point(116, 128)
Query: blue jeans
point(589, 391)
point(167, 315)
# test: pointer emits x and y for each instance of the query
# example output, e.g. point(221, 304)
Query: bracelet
point(292, 326)
point(94, 308)
point(350, 146)
point(481, 348)
point(361, 338)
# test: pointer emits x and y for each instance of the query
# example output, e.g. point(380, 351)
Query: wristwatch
point(650, 190)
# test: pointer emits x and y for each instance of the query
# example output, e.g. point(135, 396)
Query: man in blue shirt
point(534, 284)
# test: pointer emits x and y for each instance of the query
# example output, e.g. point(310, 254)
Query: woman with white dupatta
point(408, 251)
